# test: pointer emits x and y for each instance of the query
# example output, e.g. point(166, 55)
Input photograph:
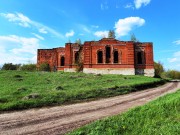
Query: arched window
point(100, 57)
point(108, 54)
point(76, 57)
point(140, 58)
point(116, 59)
point(62, 61)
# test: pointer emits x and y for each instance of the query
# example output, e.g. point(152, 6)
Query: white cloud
point(42, 30)
point(175, 58)
point(24, 21)
point(124, 26)
point(18, 18)
point(38, 36)
point(101, 34)
point(86, 29)
point(171, 60)
point(139, 3)
point(70, 34)
point(16, 49)
point(129, 5)
point(177, 42)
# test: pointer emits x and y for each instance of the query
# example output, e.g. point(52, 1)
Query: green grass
point(159, 117)
point(22, 90)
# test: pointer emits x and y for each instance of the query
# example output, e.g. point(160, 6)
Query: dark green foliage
point(111, 34)
point(133, 38)
point(22, 89)
point(159, 117)
point(59, 88)
point(78, 41)
point(44, 67)
point(17, 76)
point(159, 69)
point(10, 66)
point(28, 67)
point(161, 73)
point(173, 74)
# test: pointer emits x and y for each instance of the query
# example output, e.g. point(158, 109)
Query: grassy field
point(21, 90)
point(159, 117)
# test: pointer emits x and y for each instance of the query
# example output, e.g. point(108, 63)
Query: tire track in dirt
point(60, 120)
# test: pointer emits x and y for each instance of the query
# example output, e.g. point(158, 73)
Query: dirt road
point(60, 120)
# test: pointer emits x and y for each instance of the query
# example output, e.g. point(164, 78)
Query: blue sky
point(26, 25)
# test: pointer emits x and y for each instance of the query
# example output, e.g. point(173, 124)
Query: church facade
point(106, 56)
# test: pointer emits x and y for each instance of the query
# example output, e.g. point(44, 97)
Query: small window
point(140, 58)
point(100, 56)
point(62, 61)
point(116, 59)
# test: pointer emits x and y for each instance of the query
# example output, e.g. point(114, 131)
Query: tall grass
point(159, 117)
point(21, 90)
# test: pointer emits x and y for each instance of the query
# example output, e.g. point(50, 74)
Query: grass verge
point(22, 90)
point(159, 117)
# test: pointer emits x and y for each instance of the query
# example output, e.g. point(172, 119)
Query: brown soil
point(62, 119)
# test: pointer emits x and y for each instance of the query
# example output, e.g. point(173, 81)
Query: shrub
point(173, 74)
point(10, 66)
point(159, 69)
point(44, 67)
point(28, 67)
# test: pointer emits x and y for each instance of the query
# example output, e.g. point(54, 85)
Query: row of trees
point(26, 67)
point(161, 73)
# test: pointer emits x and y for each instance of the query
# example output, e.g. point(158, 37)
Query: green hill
point(21, 90)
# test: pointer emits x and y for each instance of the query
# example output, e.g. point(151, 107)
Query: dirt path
point(60, 120)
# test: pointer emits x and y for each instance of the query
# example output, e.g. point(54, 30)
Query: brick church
point(106, 56)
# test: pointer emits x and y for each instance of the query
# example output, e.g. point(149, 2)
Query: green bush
point(173, 74)
point(10, 66)
point(159, 69)
point(44, 67)
point(28, 67)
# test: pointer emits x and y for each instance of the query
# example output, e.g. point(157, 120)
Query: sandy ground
point(62, 119)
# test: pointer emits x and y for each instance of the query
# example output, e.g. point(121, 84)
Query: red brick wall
point(125, 50)
point(147, 49)
point(127, 54)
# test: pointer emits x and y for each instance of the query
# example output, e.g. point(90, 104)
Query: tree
point(159, 69)
point(28, 67)
point(10, 66)
point(44, 67)
point(133, 38)
point(78, 41)
point(111, 34)
point(173, 74)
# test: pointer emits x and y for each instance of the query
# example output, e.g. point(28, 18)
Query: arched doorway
point(108, 54)
point(139, 57)
point(62, 61)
